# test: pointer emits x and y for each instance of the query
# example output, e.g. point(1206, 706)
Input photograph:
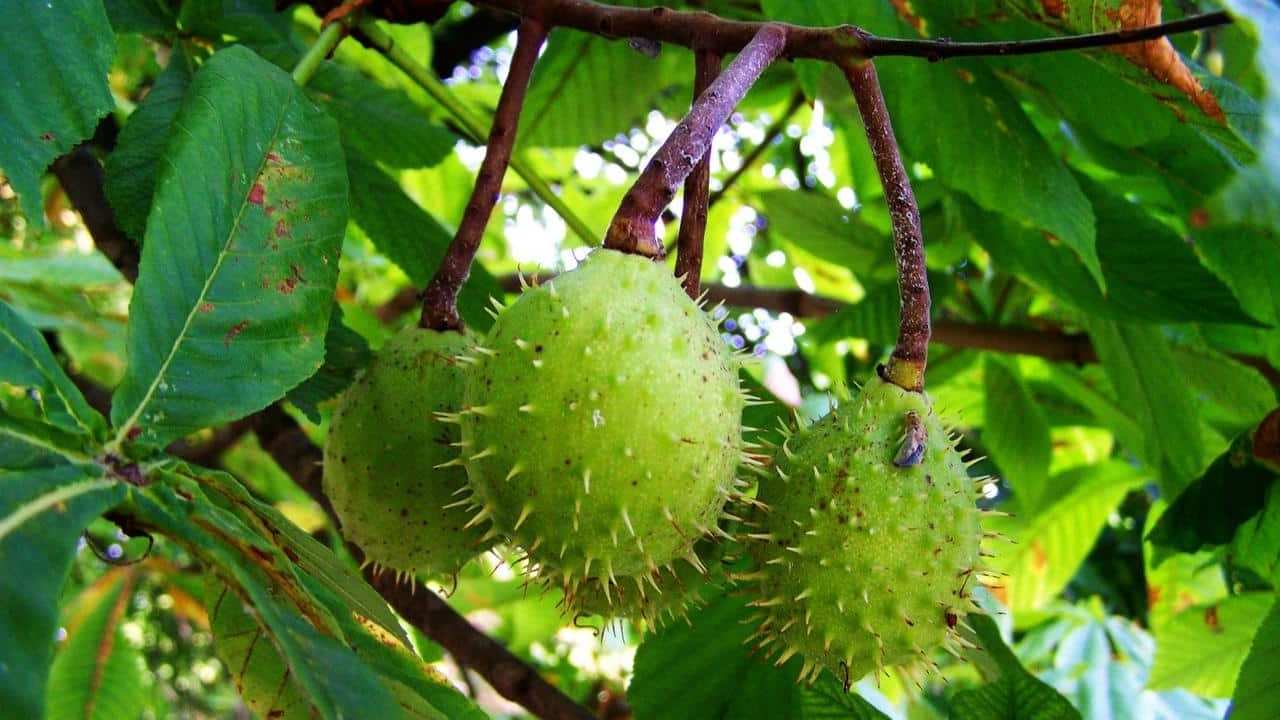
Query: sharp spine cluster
point(868, 535)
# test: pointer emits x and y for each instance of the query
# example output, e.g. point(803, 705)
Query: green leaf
point(731, 682)
point(1257, 543)
point(151, 17)
point(1013, 693)
point(97, 674)
point(1232, 396)
point(132, 168)
point(1244, 257)
point(586, 89)
point(41, 515)
point(54, 56)
point(1251, 197)
point(1142, 368)
point(381, 123)
point(1211, 509)
point(411, 237)
point(1052, 545)
point(28, 368)
point(817, 224)
point(1016, 433)
point(1257, 694)
point(1201, 649)
point(874, 318)
point(1152, 274)
point(241, 257)
point(345, 354)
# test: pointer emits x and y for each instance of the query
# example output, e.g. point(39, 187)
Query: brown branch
point(702, 30)
point(770, 135)
point(81, 177)
point(440, 300)
point(911, 354)
point(633, 227)
point(697, 187)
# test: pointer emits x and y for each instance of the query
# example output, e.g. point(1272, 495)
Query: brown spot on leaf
point(48, 136)
point(908, 13)
point(281, 228)
point(206, 307)
point(289, 284)
point(1039, 560)
point(1153, 596)
point(257, 193)
point(1211, 619)
point(1159, 58)
point(234, 331)
point(964, 75)
point(1054, 8)
point(1199, 218)
point(273, 157)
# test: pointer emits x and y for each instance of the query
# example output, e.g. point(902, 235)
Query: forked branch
point(633, 227)
point(440, 300)
point(697, 189)
point(910, 355)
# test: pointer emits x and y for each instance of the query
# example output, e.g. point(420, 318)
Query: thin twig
point(693, 221)
point(633, 227)
point(910, 355)
point(440, 300)
point(774, 132)
point(368, 33)
point(696, 29)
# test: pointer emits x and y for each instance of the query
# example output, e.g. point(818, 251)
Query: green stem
point(319, 50)
point(475, 128)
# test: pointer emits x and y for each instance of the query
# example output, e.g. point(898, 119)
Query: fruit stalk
point(440, 299)
point(697, 189)
point(910, 355)
point(633, 229)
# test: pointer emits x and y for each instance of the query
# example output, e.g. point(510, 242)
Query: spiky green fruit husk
point(602, 422)
point(675, 591)
point(863, 564)
point(384, 453)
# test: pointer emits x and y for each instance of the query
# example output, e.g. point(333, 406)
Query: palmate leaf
point(241, 256)
point(332, 679)
point(1202, 648)
point(54, 56)
point(97, 673)
point(131, 169)
point(42, 513)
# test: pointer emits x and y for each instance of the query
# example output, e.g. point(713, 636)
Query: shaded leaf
point(1211, 509)
point(1244, 259)
point(1250, 198)
point(1232, 396)
point(1257, 694)
point(874, 317)
point(817, 224)
point(345, 354)
point(1141, 366)
point(29, 369)
point(240, 261)
point(54, 56)
point(41, 515)
point(98, 674)
point(1016, 433)
point(1257, 543)
point(131, 169)
point(1012, 693)
point(1201, 650)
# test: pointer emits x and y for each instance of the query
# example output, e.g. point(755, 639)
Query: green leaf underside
point(41, 515)
point(97, 674)
point(132, 168)
point(54, 58)
point(333, 680)
point(240, 262)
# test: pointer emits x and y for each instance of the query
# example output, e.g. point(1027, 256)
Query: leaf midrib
point(128, 424)
point(32, 508)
